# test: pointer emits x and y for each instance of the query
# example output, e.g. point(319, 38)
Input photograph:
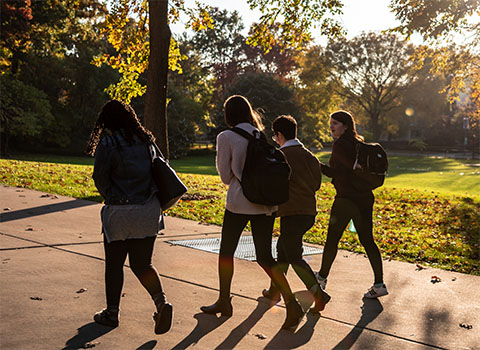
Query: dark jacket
point(122, 171)
point(305, 180)
point(340, 168)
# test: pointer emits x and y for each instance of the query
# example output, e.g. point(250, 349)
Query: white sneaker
point(376, 291)
point(321, 281)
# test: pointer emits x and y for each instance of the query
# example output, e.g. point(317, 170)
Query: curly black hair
point(116, 115)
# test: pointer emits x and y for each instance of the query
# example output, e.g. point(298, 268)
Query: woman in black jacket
point(131, 216)
point(352, 202)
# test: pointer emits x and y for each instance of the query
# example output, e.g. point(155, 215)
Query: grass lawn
point(428, 211)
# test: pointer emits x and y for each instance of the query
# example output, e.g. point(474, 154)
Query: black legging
point(262, 226)
point(290, 247)
point(140, 257)
point(360, 211)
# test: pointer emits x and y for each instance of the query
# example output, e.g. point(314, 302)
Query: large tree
point(46, 49)
point(267, 93)
point(155, 100)
point(453, 29)
point(371, 70)
point(221, 47)
point(278, 59)
point(299, 17)
point(316, 95)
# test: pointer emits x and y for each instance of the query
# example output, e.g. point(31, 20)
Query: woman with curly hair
point(131, 216)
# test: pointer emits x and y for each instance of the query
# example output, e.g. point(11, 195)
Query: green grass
point(439, 227)
point(449, 176)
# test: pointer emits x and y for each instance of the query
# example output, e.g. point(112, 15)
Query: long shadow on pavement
point(205, 324)
point(239, 332)
point(86, 334)
point(44, 209)
point(149, 345)
point(288, 340)
point(370, 310)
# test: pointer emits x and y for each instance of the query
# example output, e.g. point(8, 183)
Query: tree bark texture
point(156, 95)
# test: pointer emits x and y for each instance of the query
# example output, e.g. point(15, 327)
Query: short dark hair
point(287, 125)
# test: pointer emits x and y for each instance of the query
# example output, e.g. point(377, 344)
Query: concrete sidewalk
point(51, 275)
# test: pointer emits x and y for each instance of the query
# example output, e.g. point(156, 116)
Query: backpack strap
point(256, 134)
point(242, 132)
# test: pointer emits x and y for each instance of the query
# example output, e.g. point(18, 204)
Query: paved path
point(51, 275)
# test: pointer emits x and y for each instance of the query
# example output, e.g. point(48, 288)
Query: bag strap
point(155, 151)
point(357, 149)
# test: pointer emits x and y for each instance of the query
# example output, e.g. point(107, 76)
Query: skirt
point(132, 221)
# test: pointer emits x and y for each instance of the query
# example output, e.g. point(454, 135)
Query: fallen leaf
point(420, 267)
point(48, 195)
point(466, 325)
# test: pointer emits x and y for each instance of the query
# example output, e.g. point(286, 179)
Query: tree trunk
point(374, 118)
point(156, 96)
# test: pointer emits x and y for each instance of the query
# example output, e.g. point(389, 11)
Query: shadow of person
point(45, 209)
point(370, 310)
point(288, 340)
point(149, 345)
point(86, 334)
point(239, 332)
point(205, 324)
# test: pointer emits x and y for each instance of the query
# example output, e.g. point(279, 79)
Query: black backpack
point(266, 174)
point(374, 162)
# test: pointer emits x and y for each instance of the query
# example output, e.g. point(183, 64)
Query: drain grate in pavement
point(245, 249)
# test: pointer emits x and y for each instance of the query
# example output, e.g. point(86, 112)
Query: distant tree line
point(61, 60)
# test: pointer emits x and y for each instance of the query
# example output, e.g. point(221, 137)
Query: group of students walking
point(132, 216)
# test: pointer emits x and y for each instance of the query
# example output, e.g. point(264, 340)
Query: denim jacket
point(122, 172)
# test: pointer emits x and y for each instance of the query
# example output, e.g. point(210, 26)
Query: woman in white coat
point(231, 154)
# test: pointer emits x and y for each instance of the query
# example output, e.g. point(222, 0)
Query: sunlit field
point(426, 212)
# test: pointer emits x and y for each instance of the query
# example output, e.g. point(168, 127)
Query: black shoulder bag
point(170, 187)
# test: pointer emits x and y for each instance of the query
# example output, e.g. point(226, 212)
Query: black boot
point(321, 299)
point(222, 306)
point(107, 317)
point(163, 318)
point(294, 315)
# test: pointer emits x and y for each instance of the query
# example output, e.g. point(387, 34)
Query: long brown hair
point(117, 115)
point(347, 119)
point(239, 110)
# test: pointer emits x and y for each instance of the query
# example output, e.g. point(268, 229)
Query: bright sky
point(358, 16)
